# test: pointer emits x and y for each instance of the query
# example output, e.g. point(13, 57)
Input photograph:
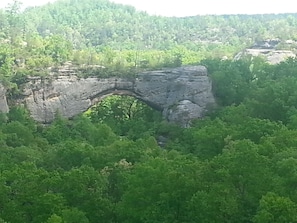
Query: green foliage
point(74, 216)
point(275, 97)
point(6, 64)
point(268, 91)
point(232, 80)
point(17, 134)
point(126, 115)
point(21, 115)
point(54, 219)
point(125, 41)
point(238, 164)
point(165, 200)
point(102, 23)
point(81, 171)
point(274, 208)
point(57, 48)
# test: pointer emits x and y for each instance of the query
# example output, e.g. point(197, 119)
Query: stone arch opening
point(102, 95)
point(127, 101)
point(125, 114)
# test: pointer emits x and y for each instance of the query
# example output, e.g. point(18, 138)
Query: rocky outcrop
point(3, 102)
point(182, 94)
point(270, 50)
point(271, 55)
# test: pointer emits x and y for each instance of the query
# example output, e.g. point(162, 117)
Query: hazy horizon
point(192, 7)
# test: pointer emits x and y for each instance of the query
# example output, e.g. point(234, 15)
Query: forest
point(120, 162)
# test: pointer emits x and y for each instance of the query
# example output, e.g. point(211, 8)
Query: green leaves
point(276, 209)
point(231, 80)
point(126, 115)
point(237, 165)
point(158, 189)
point(58, 48)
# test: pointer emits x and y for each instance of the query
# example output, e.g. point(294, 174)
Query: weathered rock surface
point(269, 50)
point(3, 102)
point(182, 94)
point(271, 55)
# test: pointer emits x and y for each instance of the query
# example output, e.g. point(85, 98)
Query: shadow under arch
point(125, 113)
point(104, 94)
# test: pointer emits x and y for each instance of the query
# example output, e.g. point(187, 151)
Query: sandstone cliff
point(182, 94)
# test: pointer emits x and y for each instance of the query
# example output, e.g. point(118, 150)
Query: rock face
point(3, 102)
point(182, 94)
point(268, 49)
point(271, 55)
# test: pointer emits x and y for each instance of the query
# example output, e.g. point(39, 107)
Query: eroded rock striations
point(182, 94)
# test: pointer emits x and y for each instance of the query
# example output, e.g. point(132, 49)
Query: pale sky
point(197, 7)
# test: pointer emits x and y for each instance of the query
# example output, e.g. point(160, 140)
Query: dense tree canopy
point(120, 162)
point(99, 32)
point(236, 165)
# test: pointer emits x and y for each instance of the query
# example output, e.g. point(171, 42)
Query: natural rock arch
point(182, 94)
point(105, 94)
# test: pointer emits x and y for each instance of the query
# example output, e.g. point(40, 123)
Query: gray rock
point(268, 49)
point(183, 112)
point(182, 94)
point(272, 56)
point(3, 102)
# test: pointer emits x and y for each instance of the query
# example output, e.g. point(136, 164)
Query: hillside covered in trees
point(121, 38)
point(120, 162)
